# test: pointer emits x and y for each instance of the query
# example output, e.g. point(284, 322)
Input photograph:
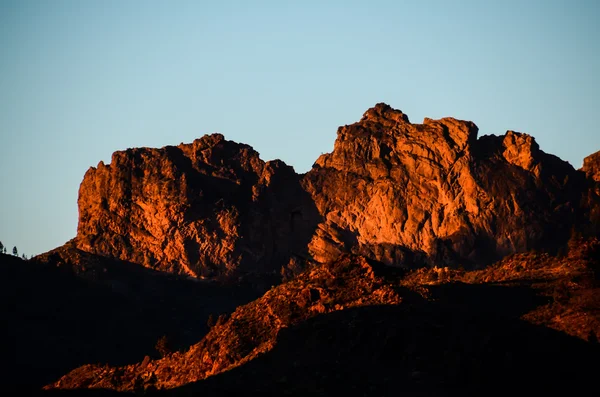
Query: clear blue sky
point(80, 79)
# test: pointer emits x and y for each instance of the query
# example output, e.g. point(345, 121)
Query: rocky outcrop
point(591, 202)
point(401, 192)
point(591, 166)
point(212, 209)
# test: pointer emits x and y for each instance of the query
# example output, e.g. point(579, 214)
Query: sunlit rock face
point(591, 166)
point(401, 192)
point(211, 208)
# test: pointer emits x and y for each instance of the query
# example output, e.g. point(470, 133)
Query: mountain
point(406, 193)
point(413, 258)
point(210, 209)
point(401, 193)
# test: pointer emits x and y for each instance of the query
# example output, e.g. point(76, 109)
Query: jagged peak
point(521, 138)
point(522, 150)
point(385, 111)
point(592, 157)
point(591, 166)
point(208, 139)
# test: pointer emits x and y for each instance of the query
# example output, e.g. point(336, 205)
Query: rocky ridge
point(401, 193)
point(512, 297)
point(252, 329)
point(392, 190)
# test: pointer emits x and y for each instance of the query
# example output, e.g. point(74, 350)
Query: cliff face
point(400, 192)
point(212, 208)
point(591, 166)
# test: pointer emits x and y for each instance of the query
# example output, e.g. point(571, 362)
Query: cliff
point(591, 166)
point(210, 209)
point(401, 193)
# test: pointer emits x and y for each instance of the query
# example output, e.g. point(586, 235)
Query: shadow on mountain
point(80, 393)
point(474, 345)
point(463, 339)
point(509, 301)
point(70, 308)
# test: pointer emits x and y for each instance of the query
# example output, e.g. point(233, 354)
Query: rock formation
point(401, 193)
point(591, 166)
point(211, 209)
point(385, 247)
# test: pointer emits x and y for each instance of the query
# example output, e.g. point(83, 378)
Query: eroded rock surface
point(401, 192)
point(591, 166)
point(212, 209)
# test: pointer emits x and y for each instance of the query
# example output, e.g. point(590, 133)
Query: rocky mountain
point(396, 191)
point(419, 259)
point(401, 193)
point(210, 209)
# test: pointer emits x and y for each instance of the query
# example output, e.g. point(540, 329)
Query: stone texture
point(591, 201)
point(401, 193)
point(211, 209)
point(591, 166)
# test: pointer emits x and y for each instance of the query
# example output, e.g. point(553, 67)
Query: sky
point(81, 79)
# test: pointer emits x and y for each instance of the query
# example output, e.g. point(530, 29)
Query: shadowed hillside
point(69, 308)
point(358, 325)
